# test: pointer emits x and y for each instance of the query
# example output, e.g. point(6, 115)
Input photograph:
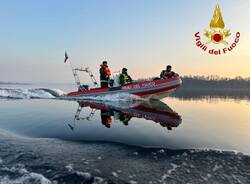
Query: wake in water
point(12, 93)
point(120, 97)
point(46, 93)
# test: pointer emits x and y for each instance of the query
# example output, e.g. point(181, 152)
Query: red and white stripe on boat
point(145, 88)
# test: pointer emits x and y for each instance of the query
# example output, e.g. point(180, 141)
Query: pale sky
point(142, 35)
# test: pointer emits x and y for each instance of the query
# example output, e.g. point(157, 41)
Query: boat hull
point(155, 89)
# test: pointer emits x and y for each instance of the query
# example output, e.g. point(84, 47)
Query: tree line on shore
point(215, 81)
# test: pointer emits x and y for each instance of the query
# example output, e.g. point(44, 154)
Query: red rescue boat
point(153, 89)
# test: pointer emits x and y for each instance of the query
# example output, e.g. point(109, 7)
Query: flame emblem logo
point(217, 34)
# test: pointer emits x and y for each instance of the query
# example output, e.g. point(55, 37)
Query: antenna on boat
point(77, 79)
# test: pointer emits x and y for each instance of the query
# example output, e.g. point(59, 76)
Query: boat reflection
point(155, 111)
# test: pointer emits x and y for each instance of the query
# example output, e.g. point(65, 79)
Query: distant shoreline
point(14, 83)
point(196, 87)
point(215, 83)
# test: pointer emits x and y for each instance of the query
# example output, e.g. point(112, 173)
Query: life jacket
point(109, 121)
point(126, 79)
point(107, 70)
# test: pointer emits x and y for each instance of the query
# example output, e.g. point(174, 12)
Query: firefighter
point(106, 118)
point(125, 118)
point(124, 77)
point(168, 73)
point(105, 74)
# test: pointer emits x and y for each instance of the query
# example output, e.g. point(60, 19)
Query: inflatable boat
point(152, 89)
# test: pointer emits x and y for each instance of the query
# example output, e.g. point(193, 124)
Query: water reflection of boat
point(155, 111)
